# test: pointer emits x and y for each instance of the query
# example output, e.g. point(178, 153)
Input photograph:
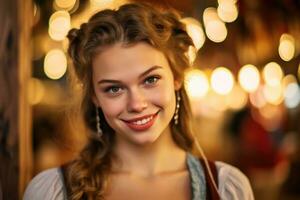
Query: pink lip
point(141, 127)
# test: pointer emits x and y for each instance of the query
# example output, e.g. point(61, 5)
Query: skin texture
point(134, 94)
point(131, 82)
point(140, 83)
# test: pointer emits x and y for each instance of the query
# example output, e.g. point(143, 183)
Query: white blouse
point(233, 184)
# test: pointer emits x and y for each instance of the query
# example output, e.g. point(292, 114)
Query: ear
point(177, 84)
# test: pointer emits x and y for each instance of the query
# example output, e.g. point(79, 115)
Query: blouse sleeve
point(233, 184)
point(47, 185)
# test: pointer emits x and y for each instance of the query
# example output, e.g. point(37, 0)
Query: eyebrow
point(141, 75)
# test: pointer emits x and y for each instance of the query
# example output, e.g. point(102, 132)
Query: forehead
point(125, 60)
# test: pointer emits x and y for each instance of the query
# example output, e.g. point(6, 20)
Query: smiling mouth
point(141, 123)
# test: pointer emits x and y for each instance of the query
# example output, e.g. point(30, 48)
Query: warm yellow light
point(237, 98)
point(196, 84)
point(273, 94)
point(210, 14)
point(59, 25)
point(227, 11)
point(94, 6)
point(195, 31)
point(55, 64)
point(228, 1)
point(102, 3)
point(36, 91)
point(291, 91)
point(249, 78)
point(257, 98)
point(65, 4)
point(222, 80)
point(286, 47)
point(272, 74)
point(215, 29)
point(292, 95)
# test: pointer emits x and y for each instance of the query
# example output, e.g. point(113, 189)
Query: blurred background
point(244, 88)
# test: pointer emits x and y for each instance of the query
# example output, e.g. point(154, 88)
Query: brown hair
point(130, 24)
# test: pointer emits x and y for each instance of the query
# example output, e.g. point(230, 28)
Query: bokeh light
point(55, 64)
point(215, 29)
point(59, 25)
point(65, 4)
point(292, 95)
point(222, 80)
point(229, 1)
point(195, 31)
point(249, 78)
point(272, 74)
point(273, 94)
point(286, 47)
point(102, 4)
point(257, 98)
point(227, 11)
point(196, 84)
point(210, 14)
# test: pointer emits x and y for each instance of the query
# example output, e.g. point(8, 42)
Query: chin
point(145, 140)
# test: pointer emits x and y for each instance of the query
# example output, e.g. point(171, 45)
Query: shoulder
point(46, 185)
point(233, 184)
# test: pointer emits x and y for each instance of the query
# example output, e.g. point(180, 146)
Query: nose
point(137, 101)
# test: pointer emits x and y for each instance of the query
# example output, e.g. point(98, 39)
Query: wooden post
point(25, 21)
point(8, 100)
point(15, 112)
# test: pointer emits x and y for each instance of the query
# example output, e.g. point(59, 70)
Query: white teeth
point(143, 121)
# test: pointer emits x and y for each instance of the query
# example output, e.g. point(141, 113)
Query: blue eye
point(151, 80)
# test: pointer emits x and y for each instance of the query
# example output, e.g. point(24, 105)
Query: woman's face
point(135, 88)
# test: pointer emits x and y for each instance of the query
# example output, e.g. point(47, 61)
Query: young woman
point(130, 63)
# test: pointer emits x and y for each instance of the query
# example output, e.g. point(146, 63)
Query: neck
point(162, 156)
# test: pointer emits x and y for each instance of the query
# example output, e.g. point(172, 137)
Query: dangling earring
point(176, 114)
point(99, 131)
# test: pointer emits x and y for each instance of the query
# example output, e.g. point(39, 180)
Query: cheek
point(164, 96)
point(111, 108)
